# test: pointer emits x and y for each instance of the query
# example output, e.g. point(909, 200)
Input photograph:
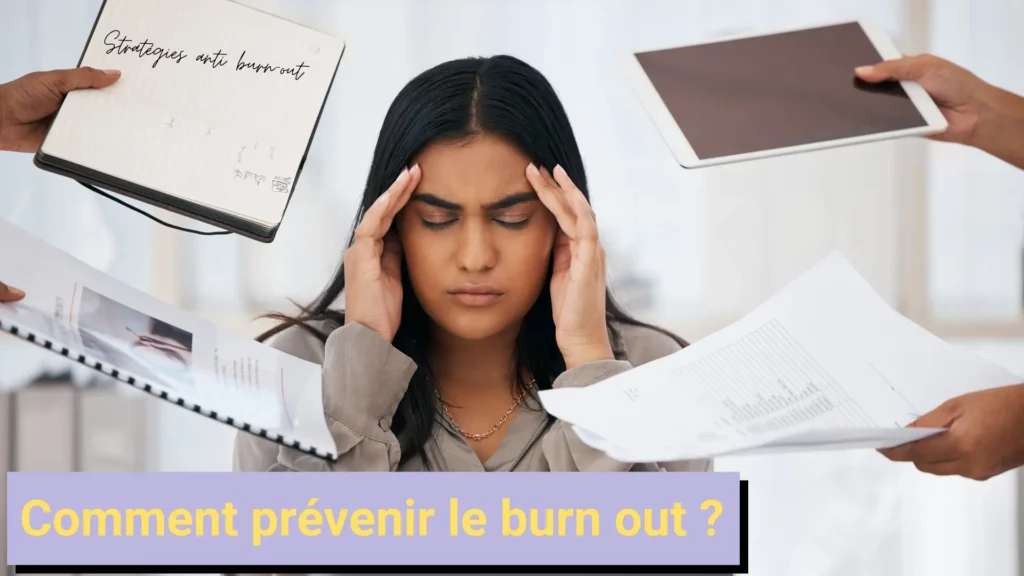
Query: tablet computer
point(755, 96)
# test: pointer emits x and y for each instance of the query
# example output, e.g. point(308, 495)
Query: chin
point(473, 324)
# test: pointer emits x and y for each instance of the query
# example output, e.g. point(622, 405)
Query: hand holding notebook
point(213, 114)
point(27, 104)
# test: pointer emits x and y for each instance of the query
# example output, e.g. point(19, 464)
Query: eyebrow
point(506, 202)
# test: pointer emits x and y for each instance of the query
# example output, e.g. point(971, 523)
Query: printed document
point(824, 364)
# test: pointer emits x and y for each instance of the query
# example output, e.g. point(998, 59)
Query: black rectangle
point(749, 95)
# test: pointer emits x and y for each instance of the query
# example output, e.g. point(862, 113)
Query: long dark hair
point(501, 96)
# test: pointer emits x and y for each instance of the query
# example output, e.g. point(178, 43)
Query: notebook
point(89, 317)
point(212, 117)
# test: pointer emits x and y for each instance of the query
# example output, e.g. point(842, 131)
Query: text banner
point(363, 518)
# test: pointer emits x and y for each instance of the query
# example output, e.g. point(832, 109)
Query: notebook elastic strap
point(150, 216)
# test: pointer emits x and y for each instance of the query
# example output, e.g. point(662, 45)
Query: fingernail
point(531, 168)
point(14, 291)
point(415, 168)
point(863, 69)
point(112, 72)
point(558, 168)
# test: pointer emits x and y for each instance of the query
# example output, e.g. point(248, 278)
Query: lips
point(476, 294)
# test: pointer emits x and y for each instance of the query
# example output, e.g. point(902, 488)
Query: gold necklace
point(496, 427)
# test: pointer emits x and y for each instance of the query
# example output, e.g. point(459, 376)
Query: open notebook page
point(216, 103)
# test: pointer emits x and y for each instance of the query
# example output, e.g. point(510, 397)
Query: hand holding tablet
point(758, 96)
point(960, 95)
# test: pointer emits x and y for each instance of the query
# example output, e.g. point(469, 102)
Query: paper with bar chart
point(824, 364)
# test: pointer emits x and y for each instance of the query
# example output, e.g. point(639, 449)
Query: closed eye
point(513, 221)
point(437, 222)
point(442, 221)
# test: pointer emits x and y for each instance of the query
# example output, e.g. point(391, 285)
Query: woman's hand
point(10, 293)
point(578, 279)
point(373, 264)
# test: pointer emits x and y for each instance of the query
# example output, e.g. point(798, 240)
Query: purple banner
point(363, 518)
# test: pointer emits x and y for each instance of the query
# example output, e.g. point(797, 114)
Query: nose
point(476, 250)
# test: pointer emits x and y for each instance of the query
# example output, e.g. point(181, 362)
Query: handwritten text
point(122, 44)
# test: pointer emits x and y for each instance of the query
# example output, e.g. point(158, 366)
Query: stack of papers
point(824, 364)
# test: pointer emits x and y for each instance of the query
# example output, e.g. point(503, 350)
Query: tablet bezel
point(677, 142)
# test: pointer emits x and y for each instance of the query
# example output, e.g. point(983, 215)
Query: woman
point(473, 279)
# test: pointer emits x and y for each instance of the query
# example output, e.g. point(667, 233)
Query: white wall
point(976, 240)
point(715, 242)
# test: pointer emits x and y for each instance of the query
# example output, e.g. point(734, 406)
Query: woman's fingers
point(377, 219)
point(566, 202)
point(561, 252)
point(588, 248)
point(401, 198)
point(586, 224)
point(370, 244)
point(369, 227)
point(391, 259)
point(553, 198)
point(574, 214)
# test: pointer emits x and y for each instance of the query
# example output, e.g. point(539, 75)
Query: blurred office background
point(937, 229)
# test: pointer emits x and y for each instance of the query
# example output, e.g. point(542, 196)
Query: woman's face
point(476, 239)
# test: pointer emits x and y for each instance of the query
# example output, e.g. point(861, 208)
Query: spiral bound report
point(88, 317)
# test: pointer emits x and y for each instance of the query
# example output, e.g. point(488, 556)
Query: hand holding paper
point(824, 364)
point(985, 435)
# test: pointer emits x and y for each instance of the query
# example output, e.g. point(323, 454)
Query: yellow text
point(37, 519)
point(267, 522)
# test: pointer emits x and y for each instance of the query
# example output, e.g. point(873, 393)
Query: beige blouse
point(365, 377)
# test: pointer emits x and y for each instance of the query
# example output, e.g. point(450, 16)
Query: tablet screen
point(748, 95)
